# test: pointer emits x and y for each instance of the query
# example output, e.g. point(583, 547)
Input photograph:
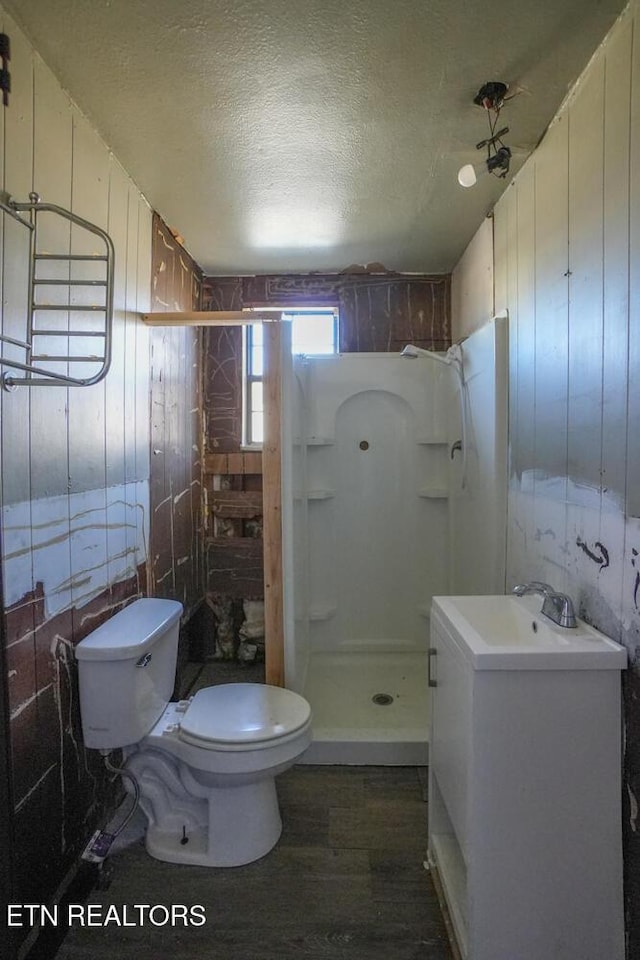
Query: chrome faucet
point(557, 606)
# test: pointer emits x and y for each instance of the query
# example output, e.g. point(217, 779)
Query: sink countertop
point(510, 633)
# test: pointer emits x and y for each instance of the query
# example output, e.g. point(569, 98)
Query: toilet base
point(214, 808)
point(244, 825)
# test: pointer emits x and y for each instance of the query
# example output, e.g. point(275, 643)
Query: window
point(312, 332)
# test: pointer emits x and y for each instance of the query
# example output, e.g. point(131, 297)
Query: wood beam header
point(211, 318)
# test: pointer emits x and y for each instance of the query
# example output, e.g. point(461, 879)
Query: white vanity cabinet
point(525, 782)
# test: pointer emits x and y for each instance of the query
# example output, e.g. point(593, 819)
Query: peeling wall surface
point(75, 476)
point(567, 267)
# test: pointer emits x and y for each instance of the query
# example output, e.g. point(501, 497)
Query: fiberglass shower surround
point(377, 521)
point(454, 359)
point(376, 490)
point(370, 479)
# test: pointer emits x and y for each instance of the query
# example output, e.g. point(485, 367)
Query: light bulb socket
point(498, 164)
point(491, 95)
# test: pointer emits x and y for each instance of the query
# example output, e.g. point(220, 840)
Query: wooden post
point(272, 505)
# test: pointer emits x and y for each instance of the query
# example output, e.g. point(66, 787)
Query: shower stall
point(373, 476)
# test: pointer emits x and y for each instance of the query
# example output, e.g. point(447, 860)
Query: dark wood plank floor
point(346, 882)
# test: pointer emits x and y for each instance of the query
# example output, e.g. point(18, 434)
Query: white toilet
point(206, 766)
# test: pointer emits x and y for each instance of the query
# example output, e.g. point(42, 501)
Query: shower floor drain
point(382, 699)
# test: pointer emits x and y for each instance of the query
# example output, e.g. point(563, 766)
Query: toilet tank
point(126, 671)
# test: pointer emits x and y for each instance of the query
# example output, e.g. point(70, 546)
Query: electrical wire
point(492, 151)
point(136, 792)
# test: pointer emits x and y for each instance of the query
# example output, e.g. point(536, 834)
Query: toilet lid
point(244, 713)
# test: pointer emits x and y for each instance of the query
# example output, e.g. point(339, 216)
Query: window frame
point(249, 377)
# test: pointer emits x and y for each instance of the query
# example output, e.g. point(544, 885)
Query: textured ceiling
point(294, 135)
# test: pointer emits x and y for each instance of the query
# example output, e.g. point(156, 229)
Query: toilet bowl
point(205, 767)
point(224, 748)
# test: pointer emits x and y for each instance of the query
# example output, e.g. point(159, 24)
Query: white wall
point(478, 509)
point(74, 471)
point(75, 462)
point(566, 237)
point(567, 268)
point(472, 284)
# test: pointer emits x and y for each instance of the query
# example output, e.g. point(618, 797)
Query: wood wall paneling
point(223, 389)
point(7, 837)
point(136, 367)
point(42, 736)
point(379, 313)
point(236, 504)
point(525, 267)
point(617, 136)
point(75, 469)
point(176, 431)
point(246, 462)
point(234, 548)
point(86, 406)
point(20, 652)
point(500, 264)
point(53, 124)
point(235, 567)
point(506, 221)
point(551, 301)
point(551, 353)
point(586, 279)
point(633, 435)
point(472, 284)
point(18, 129)
point(574, 428)
point(631, 576)
point(616, 310)
point(18, 170)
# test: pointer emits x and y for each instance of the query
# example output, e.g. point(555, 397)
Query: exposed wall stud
point(272, 505)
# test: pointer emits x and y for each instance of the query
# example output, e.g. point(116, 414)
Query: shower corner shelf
point(320, 441)
point(320, 494)
point(37, 336)
point(322, 611)
point(434, 493)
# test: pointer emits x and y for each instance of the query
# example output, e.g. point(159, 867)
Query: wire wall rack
point(68, 335)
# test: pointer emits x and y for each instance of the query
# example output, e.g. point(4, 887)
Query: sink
point(510, 633)
point(525, 761)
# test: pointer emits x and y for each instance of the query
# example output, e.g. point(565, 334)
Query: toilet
point(206, 766)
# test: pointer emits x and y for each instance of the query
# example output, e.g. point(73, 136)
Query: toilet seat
point(243, 716)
